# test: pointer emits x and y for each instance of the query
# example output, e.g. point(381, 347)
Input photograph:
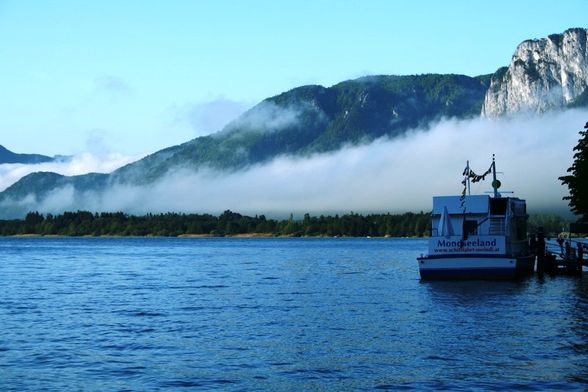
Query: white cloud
point(112, 84)
point(78, 164)
point(269, 117)
point(387, 175)
point(212, 116)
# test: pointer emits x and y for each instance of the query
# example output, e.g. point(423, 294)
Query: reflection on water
point(276, 314)
point(476, 292)
point(532, 330)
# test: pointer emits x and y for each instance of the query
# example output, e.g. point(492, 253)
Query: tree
point(577, 180)
point(32, 220)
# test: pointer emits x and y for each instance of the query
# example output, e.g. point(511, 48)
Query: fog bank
point(71, 166)
point(384, 176)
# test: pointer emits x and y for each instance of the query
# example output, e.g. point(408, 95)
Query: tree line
point(85, 223)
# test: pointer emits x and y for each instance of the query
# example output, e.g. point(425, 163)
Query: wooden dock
point(564, 256)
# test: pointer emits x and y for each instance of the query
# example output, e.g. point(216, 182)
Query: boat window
point(498, 206)
point(470, 227)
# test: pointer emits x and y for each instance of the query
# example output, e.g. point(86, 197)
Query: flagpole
point(494, 183)
point(468, 177)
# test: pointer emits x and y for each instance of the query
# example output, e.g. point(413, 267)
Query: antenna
point(495, 183)
point(468, 178)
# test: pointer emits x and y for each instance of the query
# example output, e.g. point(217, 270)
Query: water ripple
point(275, 314)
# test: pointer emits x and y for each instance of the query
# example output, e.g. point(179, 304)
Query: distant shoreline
point(227, 224)
point(245, 235)
point(234, 225)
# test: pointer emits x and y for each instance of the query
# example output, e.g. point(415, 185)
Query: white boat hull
point(475, 266)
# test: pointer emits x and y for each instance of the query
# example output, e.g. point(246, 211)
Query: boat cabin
point(478, 237)
point(488, 222)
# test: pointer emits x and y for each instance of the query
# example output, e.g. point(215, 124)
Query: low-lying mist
point(384, 176)
point(71, 166)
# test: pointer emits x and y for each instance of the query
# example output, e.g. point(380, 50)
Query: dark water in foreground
point(275, 314)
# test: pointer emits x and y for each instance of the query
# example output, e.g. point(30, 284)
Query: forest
point(84, 223)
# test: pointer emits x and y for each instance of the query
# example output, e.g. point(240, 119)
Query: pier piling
point(540, 251)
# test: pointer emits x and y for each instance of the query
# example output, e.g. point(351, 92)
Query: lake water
point(275, 314)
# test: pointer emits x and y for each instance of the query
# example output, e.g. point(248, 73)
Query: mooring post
point(579, 257)
point(540, 251)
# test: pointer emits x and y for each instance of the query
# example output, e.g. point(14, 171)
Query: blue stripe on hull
point(525, 265)
point(474, 273)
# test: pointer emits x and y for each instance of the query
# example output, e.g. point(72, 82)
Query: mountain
point(545, 74)
point(7, 156)
point(313, 119)
point(299, 122)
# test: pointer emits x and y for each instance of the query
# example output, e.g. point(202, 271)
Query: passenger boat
point(478, 236)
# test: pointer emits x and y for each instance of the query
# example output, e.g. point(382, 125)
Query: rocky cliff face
point(544, 74)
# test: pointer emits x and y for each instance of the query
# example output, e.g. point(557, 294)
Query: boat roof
point(475, 204)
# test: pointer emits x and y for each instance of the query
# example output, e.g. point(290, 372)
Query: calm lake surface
point(275, 314)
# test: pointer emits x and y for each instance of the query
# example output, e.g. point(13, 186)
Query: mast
point(495, 183)
point(468, 177)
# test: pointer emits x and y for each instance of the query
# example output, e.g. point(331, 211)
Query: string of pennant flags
point(470, 174)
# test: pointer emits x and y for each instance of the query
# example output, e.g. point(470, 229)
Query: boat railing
point(497, 226)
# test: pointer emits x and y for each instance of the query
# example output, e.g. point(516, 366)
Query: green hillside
point(299, 122)
point(313, 119)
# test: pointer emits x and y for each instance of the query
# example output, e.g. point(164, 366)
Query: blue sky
point(137, 76)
